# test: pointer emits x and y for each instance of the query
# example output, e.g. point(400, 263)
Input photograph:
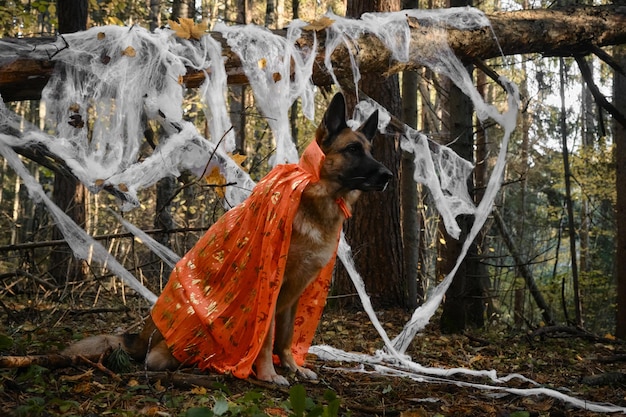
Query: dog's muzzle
point(376, 180)
point(381, 179)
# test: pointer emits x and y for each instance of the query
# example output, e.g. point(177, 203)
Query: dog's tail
point(148, 345)
point(103, 344)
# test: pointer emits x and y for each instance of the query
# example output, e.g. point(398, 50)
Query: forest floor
point(561, 361)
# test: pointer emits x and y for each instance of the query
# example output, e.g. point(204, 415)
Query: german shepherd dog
point(348, 169)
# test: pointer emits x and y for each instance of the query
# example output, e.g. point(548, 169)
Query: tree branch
point(578, 30)
point(595, 91)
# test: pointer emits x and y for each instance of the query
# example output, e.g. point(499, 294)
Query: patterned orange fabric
point(216, 307)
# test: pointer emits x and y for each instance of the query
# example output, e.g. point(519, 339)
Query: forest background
point(529, 240)
point(546, 257)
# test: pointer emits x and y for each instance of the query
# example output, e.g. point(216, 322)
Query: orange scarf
point(216, 308)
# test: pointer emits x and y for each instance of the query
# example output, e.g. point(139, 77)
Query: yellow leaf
point(198, 30)
point(215, 178)
point(129, 51)
point(319, 24)
point(609, 336)
point(262, 63)
point(238, 158)
point(199, 390)
point(158, 386)
point(187, 29)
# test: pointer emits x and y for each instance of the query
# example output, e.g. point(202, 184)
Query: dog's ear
point(370, 126)
point(334, 120)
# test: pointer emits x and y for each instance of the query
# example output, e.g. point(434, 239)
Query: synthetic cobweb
point(113, 79)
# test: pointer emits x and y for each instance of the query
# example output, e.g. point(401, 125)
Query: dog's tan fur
point(348, 169)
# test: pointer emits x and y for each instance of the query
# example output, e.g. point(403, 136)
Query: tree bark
point(563, 32)
point(465, 299)
point(408, 186)
point(619, 136)
point(568, 200)
point(68, 193)
point(376, 218)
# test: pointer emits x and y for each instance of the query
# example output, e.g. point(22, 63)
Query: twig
point(20, 272)
point(98, 311)
point(35, 245)
point(99, 366)
point(574, 331)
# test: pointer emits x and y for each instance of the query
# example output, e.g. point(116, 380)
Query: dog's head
point(349, 160)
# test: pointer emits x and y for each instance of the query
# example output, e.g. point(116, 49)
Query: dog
point(347, 170)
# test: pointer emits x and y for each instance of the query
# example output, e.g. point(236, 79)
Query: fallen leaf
point(187, 29)
point(101, 35)
point(262, 63)
point(216, 179)
point(129, 52)
point(277, 77)
point(319, 24)
point(276, 411)
point(238, 158)
point(199, 390)
point(158, 386)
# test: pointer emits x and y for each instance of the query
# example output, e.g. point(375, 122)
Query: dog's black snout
point(385, 173)
point(383, 176)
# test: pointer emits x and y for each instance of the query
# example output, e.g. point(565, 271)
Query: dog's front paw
point(306, 373)
point(273, 378)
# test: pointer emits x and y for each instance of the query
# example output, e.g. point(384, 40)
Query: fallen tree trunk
point(52, 361)
point(563, 32)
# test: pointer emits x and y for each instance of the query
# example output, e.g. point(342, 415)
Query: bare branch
point(595, 91)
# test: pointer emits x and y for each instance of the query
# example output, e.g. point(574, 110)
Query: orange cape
point(216, 308)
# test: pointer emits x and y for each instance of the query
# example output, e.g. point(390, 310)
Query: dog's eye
point(353, 148)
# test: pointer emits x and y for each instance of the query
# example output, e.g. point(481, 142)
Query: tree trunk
point(409, 197)
point(181, 9)
point(155, 14)
point(575, 30)
point(270, 14)
point(67, 192)
point(373, 231)
point(408, 186)
point(72, 15)
point(619, 136)
point(589, 132)
point(464, 302)
point(238, 93)
point(568, 200)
